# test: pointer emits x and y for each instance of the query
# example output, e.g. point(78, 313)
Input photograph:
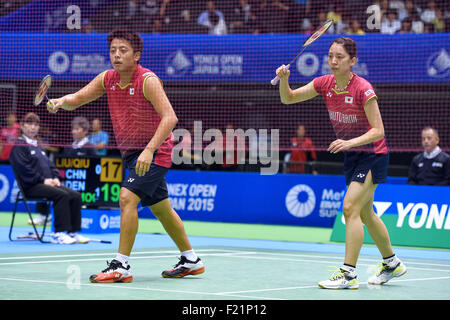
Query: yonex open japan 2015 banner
point(415, 58)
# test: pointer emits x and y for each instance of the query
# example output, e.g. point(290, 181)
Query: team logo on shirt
point(348, 99)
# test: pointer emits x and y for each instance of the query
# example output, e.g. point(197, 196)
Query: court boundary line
point(243, 254)
point(222, 252)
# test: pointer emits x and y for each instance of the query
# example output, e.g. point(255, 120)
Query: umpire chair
point(20, 197)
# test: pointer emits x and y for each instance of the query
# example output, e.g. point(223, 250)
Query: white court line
point(103, 254)
point(138, 288)
point(102, 259)
point(225, 252)
point(327, 262)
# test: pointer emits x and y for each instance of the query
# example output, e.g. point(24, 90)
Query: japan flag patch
point(348, 99)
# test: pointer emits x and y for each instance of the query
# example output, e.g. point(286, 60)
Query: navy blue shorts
point(358, 164)
point(152, 187)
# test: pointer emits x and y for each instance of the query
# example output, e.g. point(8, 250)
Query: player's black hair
point(348, 44)
point(132, 37)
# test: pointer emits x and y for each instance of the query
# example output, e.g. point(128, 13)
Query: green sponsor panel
point(419, 231)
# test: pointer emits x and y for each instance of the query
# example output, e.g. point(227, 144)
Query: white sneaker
point(340, 279)
point(39, 220)
point(62, 238)
point(386, 272)
point(79, 238)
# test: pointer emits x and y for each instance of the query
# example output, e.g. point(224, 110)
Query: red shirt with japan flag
point(134, 118)
point(346, 110)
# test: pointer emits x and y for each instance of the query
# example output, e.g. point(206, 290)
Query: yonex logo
point(300, 201)
point(360, 175)
point(130, 179)
point(329, 94)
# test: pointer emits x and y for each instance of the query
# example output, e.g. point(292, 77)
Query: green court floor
point(243, 262)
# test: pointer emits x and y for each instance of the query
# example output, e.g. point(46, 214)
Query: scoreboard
point(98, 179)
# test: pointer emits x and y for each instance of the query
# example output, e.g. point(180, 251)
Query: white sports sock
point(391, 260)
point(190, 255)
point(122, 259)
point(348, 268)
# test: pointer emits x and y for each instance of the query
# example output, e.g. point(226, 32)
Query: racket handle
point(275, 80)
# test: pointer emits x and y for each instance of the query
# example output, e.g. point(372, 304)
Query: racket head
point(318, 33)
point(42, 90)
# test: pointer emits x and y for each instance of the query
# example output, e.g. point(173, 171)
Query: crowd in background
point(221, 17)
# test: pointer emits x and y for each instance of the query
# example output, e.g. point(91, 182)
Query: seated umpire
point(39, 177)
point(431, 167)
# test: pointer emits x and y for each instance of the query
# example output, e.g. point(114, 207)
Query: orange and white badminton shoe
point(115, 272)
point(185, 267)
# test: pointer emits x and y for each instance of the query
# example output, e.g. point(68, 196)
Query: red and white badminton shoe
point(115, 272)
point(185, 267)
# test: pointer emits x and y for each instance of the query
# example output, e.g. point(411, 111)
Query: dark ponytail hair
point(348, 44)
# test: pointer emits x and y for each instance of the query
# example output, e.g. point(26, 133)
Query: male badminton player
point(356, 119)
point(143, 120)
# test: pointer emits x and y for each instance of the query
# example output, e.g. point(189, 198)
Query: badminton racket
point(313, 37)
point(41, 92)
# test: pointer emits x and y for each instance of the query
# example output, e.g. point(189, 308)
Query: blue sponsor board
point(100, 221)
point(287, 199)
point(417, 58)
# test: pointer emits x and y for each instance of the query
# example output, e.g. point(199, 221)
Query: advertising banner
point(414, 215)
point(415, 58)
point(286, 199)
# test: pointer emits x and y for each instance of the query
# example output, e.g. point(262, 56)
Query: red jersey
point(346, 109)
point(134, 118)
point(299, 150)
point(7, 139)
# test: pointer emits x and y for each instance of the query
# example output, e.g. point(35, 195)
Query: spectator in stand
point(204, 17)
point(98, 137)
point(429, 14)
point(217, 26)
point(302, 151)
point(400, 7)
point(355, 28)
point(390, 24)
point(8, 136)
point(243, 18)
point(432, 167)
point(150, 11)
point(417, 25)
point(406, 26)
point(438, 22)
point(81, 147)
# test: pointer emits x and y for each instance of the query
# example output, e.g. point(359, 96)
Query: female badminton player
point(356, 119)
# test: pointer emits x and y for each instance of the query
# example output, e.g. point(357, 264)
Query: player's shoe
point(185, 267)
point(62, 238)
point(79, 238)
point(341, 279)
point(386, 272)
point(40, 219)
point(115, 272)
